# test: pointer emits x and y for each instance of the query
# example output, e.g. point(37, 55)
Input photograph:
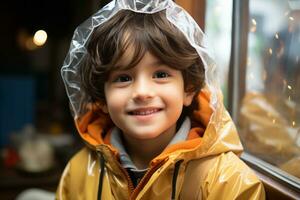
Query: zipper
point(125, 173)
point(174, 179)
point(130, 184)
point(145, 178)
point(133, 192)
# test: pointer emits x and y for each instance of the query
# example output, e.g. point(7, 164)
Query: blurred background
point(35, 37)
point(37, 134)
point(256, 47)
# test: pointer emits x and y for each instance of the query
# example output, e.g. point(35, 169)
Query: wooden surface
point(196, 8)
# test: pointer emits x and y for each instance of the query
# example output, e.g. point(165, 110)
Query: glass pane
point(269, 121)
point(218, 21)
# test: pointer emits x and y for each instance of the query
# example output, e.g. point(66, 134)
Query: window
point(268, 113)
point(256, 45)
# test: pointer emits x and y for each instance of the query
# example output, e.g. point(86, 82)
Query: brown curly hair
point(143, 32)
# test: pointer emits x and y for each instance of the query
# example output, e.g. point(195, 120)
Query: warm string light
point(287, 86)
point(271, 117)
point(270, 51)
point(31, 42)
point(40, 38)
point(293, 122)
point(253, 25)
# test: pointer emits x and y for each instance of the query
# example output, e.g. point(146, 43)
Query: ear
point(188, 98)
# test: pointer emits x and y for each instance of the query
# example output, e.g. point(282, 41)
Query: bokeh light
point(40, 38)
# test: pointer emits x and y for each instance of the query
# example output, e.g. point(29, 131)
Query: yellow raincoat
point(205, 166)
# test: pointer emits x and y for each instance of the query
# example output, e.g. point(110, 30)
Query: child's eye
point(161, 74)
point(122, 78)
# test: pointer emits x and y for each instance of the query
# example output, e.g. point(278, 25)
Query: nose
point(143, 90)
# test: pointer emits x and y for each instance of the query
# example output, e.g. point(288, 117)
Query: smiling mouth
point(147, 111)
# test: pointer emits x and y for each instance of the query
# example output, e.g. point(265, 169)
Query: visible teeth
point(145, 112)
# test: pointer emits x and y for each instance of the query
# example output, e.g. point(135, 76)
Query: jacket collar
point(116, 141)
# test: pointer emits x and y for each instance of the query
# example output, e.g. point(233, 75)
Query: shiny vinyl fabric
point(209, 169)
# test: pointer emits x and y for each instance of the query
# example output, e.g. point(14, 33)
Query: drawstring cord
point(174, 180)
point(101, 176)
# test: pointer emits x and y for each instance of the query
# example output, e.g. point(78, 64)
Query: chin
point(145, 135)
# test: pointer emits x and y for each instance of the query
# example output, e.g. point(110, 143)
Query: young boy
point(142, 89)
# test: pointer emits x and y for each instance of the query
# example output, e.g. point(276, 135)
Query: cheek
point(175, 99)
point(112, 102)
point(174, 93)
point(116, 100)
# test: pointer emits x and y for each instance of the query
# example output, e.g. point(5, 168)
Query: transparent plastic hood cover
point(174, 13)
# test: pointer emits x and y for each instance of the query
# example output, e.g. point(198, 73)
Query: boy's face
point(147, 100)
